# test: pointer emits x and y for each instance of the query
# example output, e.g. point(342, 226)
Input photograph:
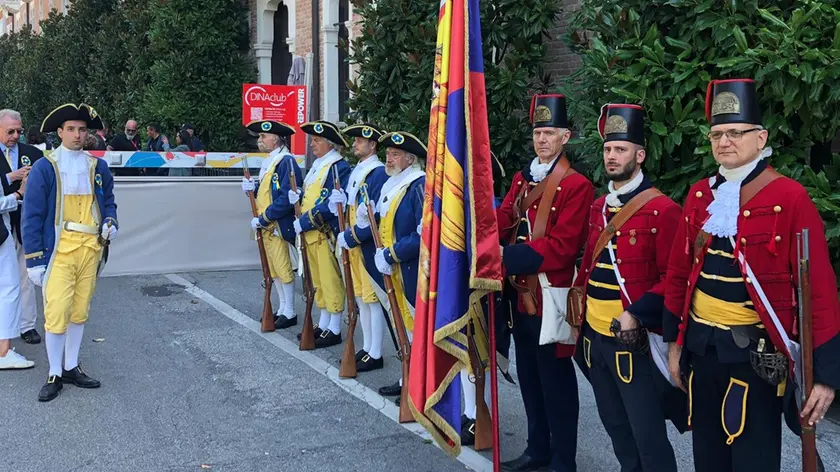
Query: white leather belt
point(80, 228)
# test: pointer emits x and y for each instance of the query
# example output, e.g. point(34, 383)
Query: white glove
point(362, 220)
point(420, 229)
point(296, 224)
point(109, 232)
point(255, 224)
point(337, 197)
point(36, 274)
point(248, 185)
point(342, 242)
point(381, 264)
point(294, 197)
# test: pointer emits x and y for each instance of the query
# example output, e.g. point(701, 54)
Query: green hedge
point(165, 61)
point(662, 54)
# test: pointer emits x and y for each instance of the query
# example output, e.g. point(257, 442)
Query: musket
point(307, 336)
point(348, 360)
point(267, 320)
point(806, 384)
point(483, 421)
point(405, 347)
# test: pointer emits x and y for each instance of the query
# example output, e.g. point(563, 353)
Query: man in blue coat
point(66, 257)
point(399, 210)
point(366, 181)
point(277, 215)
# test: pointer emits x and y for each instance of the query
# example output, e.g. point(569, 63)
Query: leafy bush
point(162, 60)
point(395, 55)
point(662, 54)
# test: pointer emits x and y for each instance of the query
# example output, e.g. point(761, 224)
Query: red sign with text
point(284, 103)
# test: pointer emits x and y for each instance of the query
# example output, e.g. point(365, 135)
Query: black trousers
point(629, 404)
point(735, 418)
point(550, 393)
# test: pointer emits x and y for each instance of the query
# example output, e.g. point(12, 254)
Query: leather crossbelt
point(80, 228)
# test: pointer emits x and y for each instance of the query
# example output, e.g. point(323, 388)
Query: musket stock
point(267, 320)
point(348, 359)
point(307, 335)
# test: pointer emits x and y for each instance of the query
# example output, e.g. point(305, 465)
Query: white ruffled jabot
point(539, 171)
point(74, 168)
point(724, 209)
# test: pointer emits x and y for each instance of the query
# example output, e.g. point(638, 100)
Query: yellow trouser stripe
point(603, 285)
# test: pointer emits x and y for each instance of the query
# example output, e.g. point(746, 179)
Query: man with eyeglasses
point(730, 297)
point(129, 141)
point(15, 164)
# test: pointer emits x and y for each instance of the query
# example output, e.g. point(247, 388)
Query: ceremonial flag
point(460, 259)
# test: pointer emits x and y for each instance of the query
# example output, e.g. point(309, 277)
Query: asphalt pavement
point(189, 383)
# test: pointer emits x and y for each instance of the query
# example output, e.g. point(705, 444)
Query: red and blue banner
point(460, 259)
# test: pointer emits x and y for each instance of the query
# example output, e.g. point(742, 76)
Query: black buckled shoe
point(467, 431)
point(391, 390)
point(31, 337)
point(359, 355)
point(367, 364)
point(51, 389)
point(327, 339)
point(282, 322)
point(315, 330)
point(524, 463)
point(79, 378)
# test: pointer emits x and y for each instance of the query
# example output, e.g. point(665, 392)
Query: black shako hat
point(549, 111)
point(732, 101)
point(326, 130)
point(271, 127)
point(71, 111)
point(405, 141)
point(622, 122)
point(363, 131)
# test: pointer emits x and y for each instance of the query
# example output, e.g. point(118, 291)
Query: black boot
point(51, 389)
point(315, 330)
point(327, 339)
point(281, 322)
point(391, 390)
point(31, 337)
point(367, 363)
point(467, 431)
point(78, 378)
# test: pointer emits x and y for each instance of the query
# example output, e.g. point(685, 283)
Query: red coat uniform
point(556, 253)
point(643, 264)
point(767, 227)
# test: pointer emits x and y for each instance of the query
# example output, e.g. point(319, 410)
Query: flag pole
point(494, 385)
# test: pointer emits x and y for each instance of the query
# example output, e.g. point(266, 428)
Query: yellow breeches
point(329, 288)
point(279, 259)
point(69, 287)
point(362, 285)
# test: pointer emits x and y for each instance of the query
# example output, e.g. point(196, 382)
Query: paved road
point(189, 383)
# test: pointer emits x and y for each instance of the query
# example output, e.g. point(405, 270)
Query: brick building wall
point(559, 60)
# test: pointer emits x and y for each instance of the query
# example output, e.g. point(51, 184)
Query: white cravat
point(362, 169)
point(271, 161)
point(539, 171)
point(724, 209)
point(74, 167)
point(629, 187)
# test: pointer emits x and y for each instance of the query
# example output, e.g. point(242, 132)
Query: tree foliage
point(162, 61)
point(395, 54)
point(662, 53)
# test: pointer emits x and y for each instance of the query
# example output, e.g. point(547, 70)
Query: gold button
point(618, 233)
point(696, 260)
point(618, 261)
point(653, 230)
point(535, 207)
point(519, 183)
point(746, 213)
point(749, 281)
point(777, 209)
point(743, 240)
point(622, 280)
point(686, 219)
point(698, 194)
point(688, 282)
point(553, 209)
point(778, 238)
point(559, 188)
point(655, 212)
